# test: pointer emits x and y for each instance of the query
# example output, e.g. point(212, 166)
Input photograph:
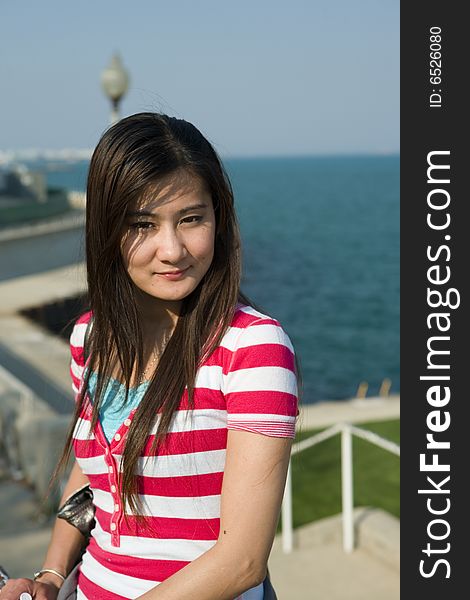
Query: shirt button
point(110, 469)
point(113, 526)
point(106, 451)
point(117, 437)
point(116, 507)
point(113, 489)
point(127, 422)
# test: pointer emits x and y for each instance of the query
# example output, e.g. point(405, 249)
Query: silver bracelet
point(53, 571)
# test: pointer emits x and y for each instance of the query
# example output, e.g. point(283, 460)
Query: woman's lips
point(173, 275)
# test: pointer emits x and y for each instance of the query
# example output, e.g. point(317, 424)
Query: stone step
point(319, 569)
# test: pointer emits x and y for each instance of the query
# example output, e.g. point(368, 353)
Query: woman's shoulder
point(259, 378)
point(250, 325)
point(77, 337)
point(246, 315)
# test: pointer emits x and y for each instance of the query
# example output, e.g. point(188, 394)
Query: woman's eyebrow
point(187, 209)
point(182, 211)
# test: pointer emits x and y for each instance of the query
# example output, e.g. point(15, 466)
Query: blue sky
point(257, 77)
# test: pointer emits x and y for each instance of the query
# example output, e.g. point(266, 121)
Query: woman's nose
point(169, 246)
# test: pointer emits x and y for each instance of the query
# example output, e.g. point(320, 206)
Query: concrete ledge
point(13, 403)
point(72, 220)
point(41, 439)
point(9, 402)
point(25, 533)
point(49, 356)
point(41, 288)
point(376, 532)
point(32, 437)
point(319, 568)
point(355, 410)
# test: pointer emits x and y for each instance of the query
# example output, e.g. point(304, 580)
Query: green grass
point(316, 475)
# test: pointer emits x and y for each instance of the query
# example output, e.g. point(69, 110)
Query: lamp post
point(115, 81)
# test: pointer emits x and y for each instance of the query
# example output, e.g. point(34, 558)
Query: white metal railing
point(347, 431)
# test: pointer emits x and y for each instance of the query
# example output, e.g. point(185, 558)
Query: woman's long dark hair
point(130, 158)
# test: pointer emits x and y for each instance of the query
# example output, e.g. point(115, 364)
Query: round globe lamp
point(115, 82)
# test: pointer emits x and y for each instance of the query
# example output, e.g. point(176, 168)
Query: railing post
point(347, 488)
point(347, 480)
point(286, 523)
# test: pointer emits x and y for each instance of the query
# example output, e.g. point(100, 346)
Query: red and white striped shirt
point(248, 383)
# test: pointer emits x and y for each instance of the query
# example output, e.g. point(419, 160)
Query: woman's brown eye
point(192, 219)
point(141, 225)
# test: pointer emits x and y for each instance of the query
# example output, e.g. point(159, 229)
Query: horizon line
point(67, 154)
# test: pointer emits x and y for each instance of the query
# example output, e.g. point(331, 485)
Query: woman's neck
point(157, 316)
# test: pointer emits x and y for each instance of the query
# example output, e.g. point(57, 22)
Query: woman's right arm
point(62, 553)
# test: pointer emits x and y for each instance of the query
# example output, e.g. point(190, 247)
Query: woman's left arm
point(252, 490)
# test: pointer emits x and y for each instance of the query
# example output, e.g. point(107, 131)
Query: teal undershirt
point(114, 410)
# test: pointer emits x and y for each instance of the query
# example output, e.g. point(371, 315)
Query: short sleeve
point(77, 363)
point(260, 385)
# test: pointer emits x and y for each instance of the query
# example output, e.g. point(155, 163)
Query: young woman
point(186, 395)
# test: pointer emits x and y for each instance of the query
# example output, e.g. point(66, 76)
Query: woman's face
point(168, 245)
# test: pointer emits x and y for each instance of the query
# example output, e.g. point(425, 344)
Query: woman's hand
point(39, 590)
